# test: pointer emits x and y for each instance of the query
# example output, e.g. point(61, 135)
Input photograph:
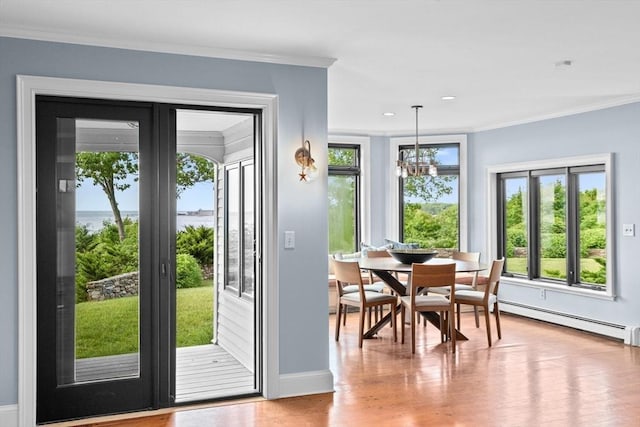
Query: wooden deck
point(202, 372)
point(209, 372)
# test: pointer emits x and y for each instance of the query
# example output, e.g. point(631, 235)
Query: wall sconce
point(303, 157)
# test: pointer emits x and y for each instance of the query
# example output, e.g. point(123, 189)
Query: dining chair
point(464, 281)
point(348, 274)
point(373, 284)
point(431, 276)
point(466, 278)
point(484, 298)
point(460, 281)
point(369, 285)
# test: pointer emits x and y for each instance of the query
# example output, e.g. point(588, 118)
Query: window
point(240, 224)
point(429, 206)
point(344, 196)
point(552, 225)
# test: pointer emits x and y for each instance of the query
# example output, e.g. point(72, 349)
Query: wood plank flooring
point(537, 375)
point(209, 372)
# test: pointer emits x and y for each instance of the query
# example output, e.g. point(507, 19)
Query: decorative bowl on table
point(409, 256)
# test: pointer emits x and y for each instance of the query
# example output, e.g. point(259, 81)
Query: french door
point(103, 358)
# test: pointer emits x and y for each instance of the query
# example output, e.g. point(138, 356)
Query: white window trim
point(365, 180)
point(492, 215)
point(393, 219)
point(27, 87)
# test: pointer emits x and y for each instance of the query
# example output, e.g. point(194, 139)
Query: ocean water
point(95, 219)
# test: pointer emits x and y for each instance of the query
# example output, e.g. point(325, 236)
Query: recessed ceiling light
point(448, 98)
point(564, 63)
point(389, 114)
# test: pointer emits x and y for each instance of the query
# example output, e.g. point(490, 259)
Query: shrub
point(517, 236)
point(598, 277)
point(554, 245)
point(188, 273)
point(594, 238)
point(197, 242)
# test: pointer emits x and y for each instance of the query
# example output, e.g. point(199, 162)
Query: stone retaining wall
point(123, 285)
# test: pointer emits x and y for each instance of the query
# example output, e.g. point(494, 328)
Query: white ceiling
point(497, 57)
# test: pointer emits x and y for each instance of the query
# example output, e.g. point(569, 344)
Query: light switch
point(289, 239)
point(628, 230)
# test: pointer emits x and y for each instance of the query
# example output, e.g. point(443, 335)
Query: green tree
point(431, 230)
point(515, 209)
point(103, 255)
point(342, 201)
point(110, 171)
point(341, 191)
point(192, 169)
point(428, 188)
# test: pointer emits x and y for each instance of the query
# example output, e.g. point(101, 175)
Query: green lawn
point(111, 327)
point(519, 265)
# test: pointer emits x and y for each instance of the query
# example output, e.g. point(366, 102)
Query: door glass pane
point(592, 228)
point(553, 227)
point(97, 246)
point(232, 263)
point(515, 233)
point(248, 229)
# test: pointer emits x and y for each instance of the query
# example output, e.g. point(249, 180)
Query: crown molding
point(173, 48)
point(587, 108)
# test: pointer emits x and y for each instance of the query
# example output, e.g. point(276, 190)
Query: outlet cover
point(629, 230)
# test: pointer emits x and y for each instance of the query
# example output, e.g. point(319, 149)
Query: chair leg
point(452, 331)
point(486, 318)
point(338, 315)
point(393, 322)
point(344, 318)
point(496, 311)
point(458, 316)
point(402, 324)
point(413, 333)
point(361, 327)
point(475, 314)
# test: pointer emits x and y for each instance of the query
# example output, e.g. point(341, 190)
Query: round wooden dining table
point(387, 267)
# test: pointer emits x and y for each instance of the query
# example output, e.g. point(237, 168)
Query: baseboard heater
point(630, 334)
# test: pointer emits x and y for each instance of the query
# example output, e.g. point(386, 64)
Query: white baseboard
point(606, 329)
point(303, 383)
point(9, 416)
point(632, 336)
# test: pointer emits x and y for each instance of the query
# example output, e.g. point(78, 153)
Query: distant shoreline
point(94, 220)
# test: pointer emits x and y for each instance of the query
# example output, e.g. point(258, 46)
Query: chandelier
point(415, 163)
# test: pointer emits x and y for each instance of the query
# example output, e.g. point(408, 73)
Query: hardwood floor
point(537, 375)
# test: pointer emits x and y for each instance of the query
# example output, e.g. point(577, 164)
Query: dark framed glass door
point(107, 266)
point(94, 358)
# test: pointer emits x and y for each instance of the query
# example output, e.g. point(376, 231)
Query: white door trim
point(27, 88)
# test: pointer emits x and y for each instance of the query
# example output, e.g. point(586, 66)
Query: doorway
point(76, 139)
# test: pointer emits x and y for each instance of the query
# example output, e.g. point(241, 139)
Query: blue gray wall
point(612, 130)
point(302, 93)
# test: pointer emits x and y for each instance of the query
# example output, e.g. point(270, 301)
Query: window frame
point(442, 170)
point(356, 172)
point(393, 216)
point(365, 178)
point(572, 166)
